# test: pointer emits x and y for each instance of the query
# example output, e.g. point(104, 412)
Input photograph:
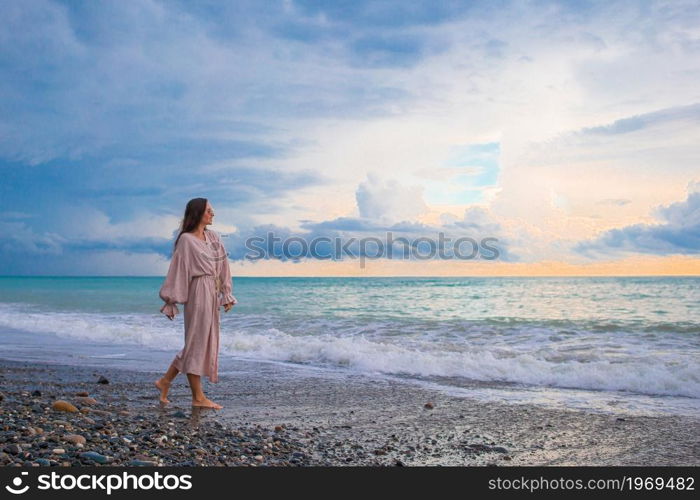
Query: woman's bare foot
point(163, 386)
point(206, 403)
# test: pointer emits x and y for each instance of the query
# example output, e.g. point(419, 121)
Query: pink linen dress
point(198, 277)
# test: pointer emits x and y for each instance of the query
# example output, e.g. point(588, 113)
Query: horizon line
point(370, 276)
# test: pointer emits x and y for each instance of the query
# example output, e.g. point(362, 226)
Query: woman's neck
point(199, 232)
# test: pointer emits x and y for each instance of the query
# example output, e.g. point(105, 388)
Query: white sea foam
point(642, 374)
point(139, 329)
point(533, 356)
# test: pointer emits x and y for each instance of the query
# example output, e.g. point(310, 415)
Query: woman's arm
point(226, 297)
point(175, 288)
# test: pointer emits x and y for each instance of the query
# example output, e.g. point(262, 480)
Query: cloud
point(390, 14)
point(689, 114)
point(581, 182)
point(285, 113)
point(79, 230)
point(82, 80)
point(388, 200)
point(679, 233)
point(16, 238)
point(388, 212)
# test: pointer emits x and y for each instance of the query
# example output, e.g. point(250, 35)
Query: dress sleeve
point(175, 289)
point(226, 296)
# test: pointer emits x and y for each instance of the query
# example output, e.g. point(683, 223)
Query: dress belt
point(217, 280)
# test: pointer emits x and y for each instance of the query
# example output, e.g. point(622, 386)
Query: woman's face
point(208, 217)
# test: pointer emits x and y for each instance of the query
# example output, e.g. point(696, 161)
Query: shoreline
point(273, 418)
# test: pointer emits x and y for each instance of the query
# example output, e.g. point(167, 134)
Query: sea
point(604, 344)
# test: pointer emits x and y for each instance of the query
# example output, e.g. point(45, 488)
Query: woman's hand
point(227, 307)
point(169, 310)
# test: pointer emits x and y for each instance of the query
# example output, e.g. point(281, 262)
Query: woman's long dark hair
point(194, 211)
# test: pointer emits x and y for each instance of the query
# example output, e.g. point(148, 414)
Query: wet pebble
point(61, 405)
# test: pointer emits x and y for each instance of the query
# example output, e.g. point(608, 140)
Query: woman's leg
point(163, 384)
point(198, 397)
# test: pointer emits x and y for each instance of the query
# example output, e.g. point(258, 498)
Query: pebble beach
point(63, 415)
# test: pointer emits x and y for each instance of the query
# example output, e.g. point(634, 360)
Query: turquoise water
point(635, 336)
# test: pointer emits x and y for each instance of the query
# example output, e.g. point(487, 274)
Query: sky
point(569, 132)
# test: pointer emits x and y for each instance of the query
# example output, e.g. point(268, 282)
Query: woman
point(199, 278)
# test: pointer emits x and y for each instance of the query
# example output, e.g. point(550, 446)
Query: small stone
point(429, 405)
point(58, 451)
point(143, 463)
point(43, 462)
point(86, 401)
point(102, 380)
point(61, 405)
point(278, 428)
point(259, 458)
point(179, 414)
point(82, 394)
point(13, 449)
point(36, 393)
point(74, 438)
point(95, 457)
